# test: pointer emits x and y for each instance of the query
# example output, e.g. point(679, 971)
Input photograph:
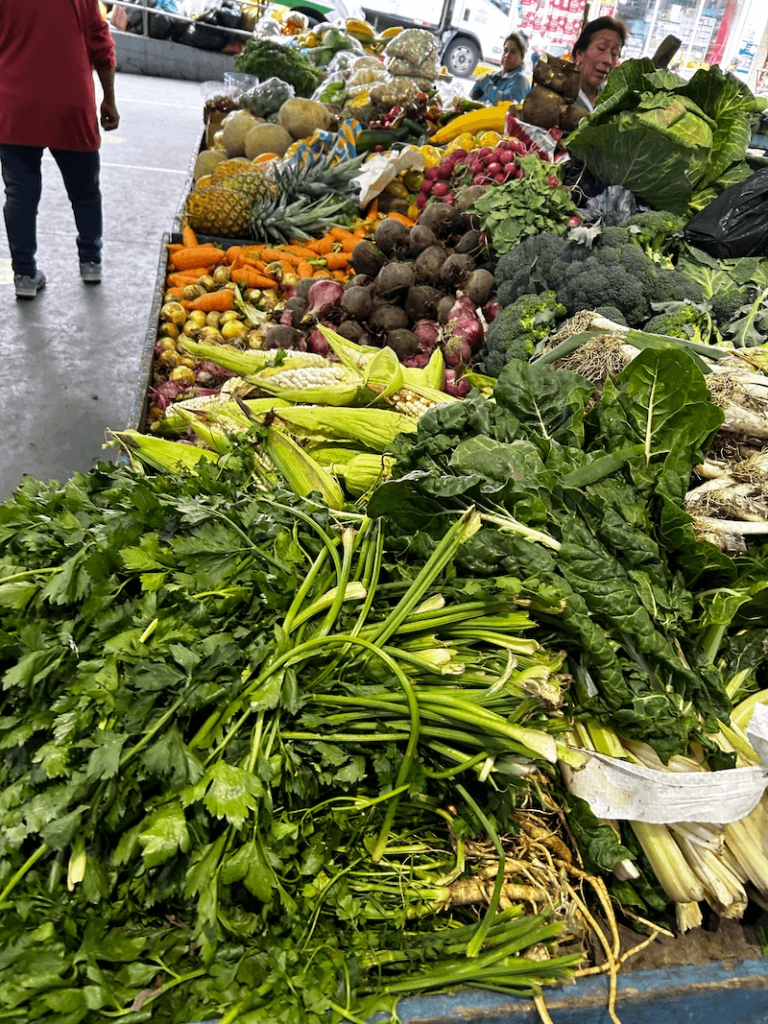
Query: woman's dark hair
point(591, 29)
point(518, 40)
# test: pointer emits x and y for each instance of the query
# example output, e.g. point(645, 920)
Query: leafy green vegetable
point(524, 206)
point(267, 59)
point(665, 138)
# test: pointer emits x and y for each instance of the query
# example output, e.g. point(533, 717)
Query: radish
point(426, 186)
point(457, 155)
point(444, 171)
point(516, 146)
point(421, 200)
point(481, 154)
point(491, 310)
point(506, 156)
point(430, 174)
point(440, 189)
point(519, 173)
point(476, 167)
point(553, 181)
point(481, 179)
point(500, 178)
point(493, 168)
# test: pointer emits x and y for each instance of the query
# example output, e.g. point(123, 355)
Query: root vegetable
point(444, 308)
point(316, 343)
point(394, 278)
point(418, 362)
point(421, 302)
point(403, 343)
point(468, 197)
point(427, 332)
point(391, 236)
point(293, 311)
point(324, 296)
point(302, 288)
point(478, 287)
point(464, 324)
point(357, 303)
point(440, 218)
point(387, 318)
point(429, 262)
point(365, 259)
point(457, 269)
point(491, 310)
point(421, 238)
point(458, 387)
point(283, 336)
point(469, 242)
point(351, 330)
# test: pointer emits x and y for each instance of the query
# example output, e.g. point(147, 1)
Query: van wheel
point(461, 57)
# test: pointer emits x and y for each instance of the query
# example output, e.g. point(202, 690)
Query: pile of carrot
point(263, 266)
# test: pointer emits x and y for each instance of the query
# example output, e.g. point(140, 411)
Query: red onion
point(419, 361)
point(464, 324)
point(167, 392)
point(491, 310)
point(456, 351)
point(324, 295)
point(458, 388)
point(427, 333)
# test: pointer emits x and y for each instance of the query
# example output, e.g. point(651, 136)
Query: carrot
point(340, 275)
point(175, 292)
point(321, 246)
point(322, 273)
point(180, 279)
point(251, 278)
point(336, 260)
point(282, 255)
point(219, 301)
point(252, 252)
point(174, 247)
point(393, 215)
point(373, 211)
point(306, 269)
point(299, 250)
point(233, 252)
point(197, 256)
point(188, 237)
point(340, 234)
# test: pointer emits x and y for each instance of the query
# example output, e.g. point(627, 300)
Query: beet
point(420, 238)
point(282, 336)
point(387, 318)
point(393, 278)
point(358, 281)
point(293, 311)
point(478, 286)
point(391, 236)
point(440, 218)
point(301, 291)
point(403, 343)
point(365, 259)
point(444, 307)
point(351, 330)
point(421, 302)
point(469, 242)
point(456, 269)
point(356, 303)
point(428, 263)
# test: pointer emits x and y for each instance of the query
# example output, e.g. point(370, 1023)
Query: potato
point(300, 117)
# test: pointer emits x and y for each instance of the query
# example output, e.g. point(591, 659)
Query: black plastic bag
point(204, 37)
point(736, 223)
point(159, 26)
point(229, 15)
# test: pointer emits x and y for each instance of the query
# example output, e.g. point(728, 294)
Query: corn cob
point(414, 404)
point(216, 432)
point(250, 361)
point(302, 474)
point(372, 428)
point(159, 453)
point(331, 454)
point(329, 385)
point(362, 473)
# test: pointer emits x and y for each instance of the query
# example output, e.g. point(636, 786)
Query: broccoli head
point(518, 328)
point(683, 320)
point(612, 313)
point(526, 268)
point(725, 304)
point(653, 231)
point(618, 274)
point(674, 286)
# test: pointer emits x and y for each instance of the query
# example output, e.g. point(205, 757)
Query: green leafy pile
point(266, 59)
point(736, 290)
point(584, 506)
point(675, 143)
point(524, 206)
point(244, 741)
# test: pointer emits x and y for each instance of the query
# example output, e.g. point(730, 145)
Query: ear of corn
point(384, 373)
point(330, 385)
point(235, 359)
point(373, 428)
point(159, 453)
point(434, 371)
point(215, 431)
point(302, 474)
point(330, 454)
point(351, 355)
point(362, 473)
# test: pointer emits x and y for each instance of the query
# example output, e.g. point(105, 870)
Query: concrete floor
point(73, 352)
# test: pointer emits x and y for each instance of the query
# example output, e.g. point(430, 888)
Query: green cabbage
point(667, 139)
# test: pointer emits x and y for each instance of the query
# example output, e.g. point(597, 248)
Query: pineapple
point(223, 207)
point(278, 221)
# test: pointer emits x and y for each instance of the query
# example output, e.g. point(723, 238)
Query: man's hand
point(110, 118)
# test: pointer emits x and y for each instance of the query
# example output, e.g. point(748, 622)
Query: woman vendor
point(596, 53)
point(509, 83)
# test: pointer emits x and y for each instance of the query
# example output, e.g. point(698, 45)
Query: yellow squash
point(492, 119)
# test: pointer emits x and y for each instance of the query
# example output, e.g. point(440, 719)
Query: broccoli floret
point(517, 329)
point(674, 286)
point(726, 304)
point(653, 230)
point(527, 267)
point(619, 273)
point(612, 313)
point(683, 320)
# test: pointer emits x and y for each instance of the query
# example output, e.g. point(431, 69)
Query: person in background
point(509, 83)
point(48, 99)
point(596, 53)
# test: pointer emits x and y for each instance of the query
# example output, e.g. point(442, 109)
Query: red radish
point(458, 388)
point(444, 170)
point(457, 154)
point(481, 154)
point(517, 146)
point(421, 200)
point(500, 178)
point(430, 174)
point(426, 187)
point(506, 156)
point(574, 221)
point(450, 198)
point(553, 181)
point(481, 179)
point(519, 173)
point(510, 171)
point(493, 168)
point(440, 189)
point(476, 167)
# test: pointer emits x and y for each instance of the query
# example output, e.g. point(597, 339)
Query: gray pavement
point(72, 354)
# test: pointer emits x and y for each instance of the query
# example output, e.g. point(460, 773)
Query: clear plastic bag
point(612, 207)
point(415, 45)
point(266, 97)
point(427, 69)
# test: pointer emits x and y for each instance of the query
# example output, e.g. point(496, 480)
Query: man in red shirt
point(48, 49)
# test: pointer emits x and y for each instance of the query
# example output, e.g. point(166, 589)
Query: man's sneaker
point(90, 272)
point(28, 287)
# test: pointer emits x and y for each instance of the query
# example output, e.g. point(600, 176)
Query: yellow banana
point(492, 119)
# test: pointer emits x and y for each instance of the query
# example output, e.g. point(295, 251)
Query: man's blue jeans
point(23, 187)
